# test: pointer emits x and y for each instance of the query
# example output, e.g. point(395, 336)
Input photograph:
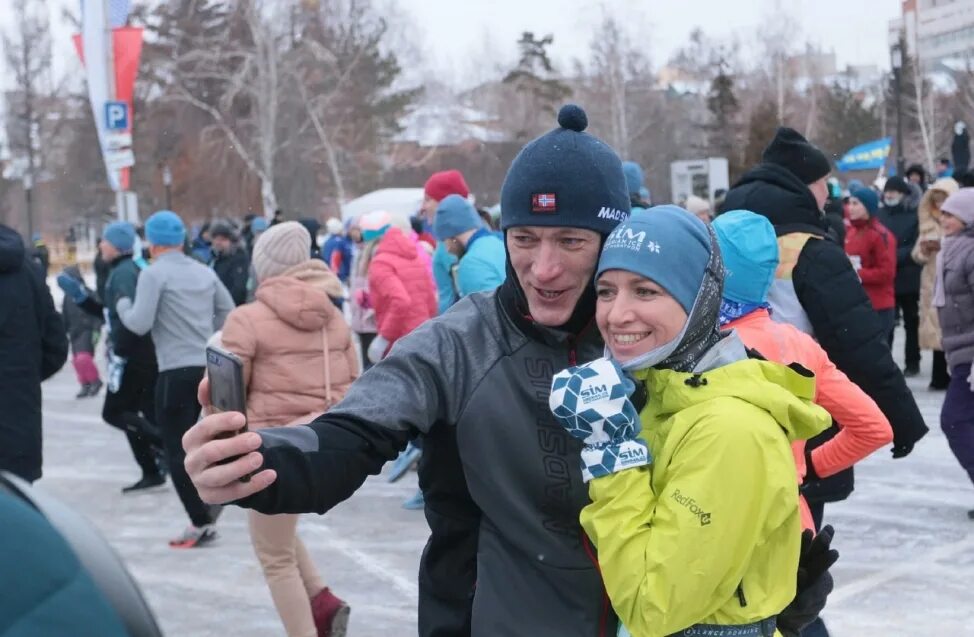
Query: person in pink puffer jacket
point(299, 360)
point(401, 288)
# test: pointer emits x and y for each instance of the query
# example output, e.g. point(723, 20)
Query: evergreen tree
point(846, 119)
point(536, 84)
point(723, 131)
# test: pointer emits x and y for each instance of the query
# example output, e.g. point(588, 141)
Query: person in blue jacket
point(480, 252)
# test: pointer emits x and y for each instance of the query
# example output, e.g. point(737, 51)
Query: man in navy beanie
point(503, 485)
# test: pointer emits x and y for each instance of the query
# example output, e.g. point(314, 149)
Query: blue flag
point(870, 155)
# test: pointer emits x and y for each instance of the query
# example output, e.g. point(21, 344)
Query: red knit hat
point(445, 183)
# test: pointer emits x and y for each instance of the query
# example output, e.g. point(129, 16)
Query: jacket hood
point(11, 250)
point(318, 274)
point(776, 193)
point(300, 296)
point(396, 242)
point(786, 393)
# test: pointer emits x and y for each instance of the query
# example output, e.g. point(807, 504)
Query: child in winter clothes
point(872, 249)
point(83, 330)
point(299, 360)
point(925, 253)
point(954, 300)
point(749, 248)
point(694, 508)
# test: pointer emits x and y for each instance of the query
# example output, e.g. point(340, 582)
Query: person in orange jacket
point(750, 250)
point(872, 249)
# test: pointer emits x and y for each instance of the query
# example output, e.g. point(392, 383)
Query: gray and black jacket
point(501, 479)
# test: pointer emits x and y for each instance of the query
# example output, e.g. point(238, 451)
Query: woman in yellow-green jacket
point(694, 509)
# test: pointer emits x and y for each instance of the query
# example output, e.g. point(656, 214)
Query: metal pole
point(28, 189)
point(29, 120)
point(900, 160)
point(167, 182)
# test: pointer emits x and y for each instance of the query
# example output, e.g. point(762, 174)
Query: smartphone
point(227, 391)
point(225, 371)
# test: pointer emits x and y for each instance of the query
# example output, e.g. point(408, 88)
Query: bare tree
point(246, 64)
point(615, 64)
point(28, 53)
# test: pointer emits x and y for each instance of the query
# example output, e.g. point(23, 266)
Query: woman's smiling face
point(635, 315)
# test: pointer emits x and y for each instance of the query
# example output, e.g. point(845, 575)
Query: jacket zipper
point(604, 619)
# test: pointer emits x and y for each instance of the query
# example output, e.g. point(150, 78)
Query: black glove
point(902, 450)
point(814, 582)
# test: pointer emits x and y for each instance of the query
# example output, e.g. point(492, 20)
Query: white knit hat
point(281, 247)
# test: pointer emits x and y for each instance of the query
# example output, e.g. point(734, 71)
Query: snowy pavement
point(907, 545)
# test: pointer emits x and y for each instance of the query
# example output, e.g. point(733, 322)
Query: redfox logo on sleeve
point(544, 203)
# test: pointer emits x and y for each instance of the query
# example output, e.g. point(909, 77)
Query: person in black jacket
point(33, 346)
point(502, 480)
point(901, 219)
point(230, 260)
point(818, 290)
point(130, 399)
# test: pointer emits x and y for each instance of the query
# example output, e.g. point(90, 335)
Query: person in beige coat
point(299, 360)
point(925, 253)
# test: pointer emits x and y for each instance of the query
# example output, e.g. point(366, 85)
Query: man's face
point(914, 178)
point(553, 266)
point(941, 166)
point(892, 198)
point(820, 190)
point(429, 208)
point(221, 244)
point(108, 251)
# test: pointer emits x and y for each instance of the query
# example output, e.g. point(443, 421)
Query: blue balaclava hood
point(676, 250)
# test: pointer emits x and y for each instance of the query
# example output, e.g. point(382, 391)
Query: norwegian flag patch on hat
point(545, 202)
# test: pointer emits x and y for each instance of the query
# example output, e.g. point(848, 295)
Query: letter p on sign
point(116, 116)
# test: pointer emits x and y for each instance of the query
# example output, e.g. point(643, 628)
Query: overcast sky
point(457, 36)
point(454, 30)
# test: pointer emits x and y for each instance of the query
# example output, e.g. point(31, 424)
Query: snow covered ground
point(907, 545)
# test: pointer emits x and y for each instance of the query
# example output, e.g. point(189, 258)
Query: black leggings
point(177, 410)
point(132, 410)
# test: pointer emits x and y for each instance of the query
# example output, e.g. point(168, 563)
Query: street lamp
point(28, 189)
point(167, 182)
point(896, 60)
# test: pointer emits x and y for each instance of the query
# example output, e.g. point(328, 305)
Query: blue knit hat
point(566, 178)
point(455, 215)
point(259, 224)
point(868, 197)
point(749, 247)
point(165, 228)
point(121, 234)
point(666, 244)
point(634, 177)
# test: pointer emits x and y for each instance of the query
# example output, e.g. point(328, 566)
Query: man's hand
point(213, 440)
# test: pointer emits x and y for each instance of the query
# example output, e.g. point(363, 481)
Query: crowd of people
point(609, 402)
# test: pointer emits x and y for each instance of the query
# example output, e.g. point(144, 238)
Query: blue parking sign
point(116, 116)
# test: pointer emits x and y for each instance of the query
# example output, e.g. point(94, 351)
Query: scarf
point(730, 311)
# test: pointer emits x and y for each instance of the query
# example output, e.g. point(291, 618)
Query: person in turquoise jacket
point(694, 511)
point(482, 257)
point(437, 188)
